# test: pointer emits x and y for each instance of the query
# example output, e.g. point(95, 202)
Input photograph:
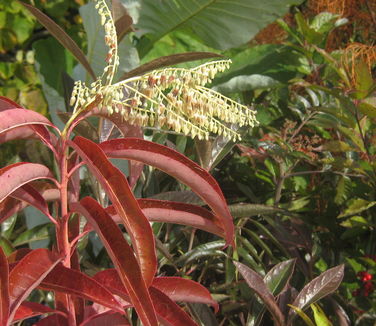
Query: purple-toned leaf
point(169, 313)
point(30, 309)
point(27, 275)
point(256, 283)
point(16, 175)
point(179, 166)
point(319, 287)
point(61, 36)
point(4, 288)
point(182, 289)
point(30, 195)
point(169, 60)
point(106, 319)
point(73, 282)
point(121, 255)
point(178, 213)
point(279, 276)
point(116, 186)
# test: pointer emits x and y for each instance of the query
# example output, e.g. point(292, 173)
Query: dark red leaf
point(181, 289)
point(61, 36)
point(73, 282)
point(179, 166)
point(16, 175)
point(54, 320)
point(4, 289)
point(106, 319)
point(256, 283)
point(10, 206)
point(116, 186)
point(169, 60)
point(7, 103)
point(30, 309)
point(169, 313)
point(17, 255)
point(121, 255)
point(27, 275)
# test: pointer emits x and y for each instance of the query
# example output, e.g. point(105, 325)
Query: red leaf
point(71, 281)
point(179, 166)
point(106, 319)
point(30, 195)
point(27, 275)
point(6, 104)
point(169, 313)
point(10, 206)
point(181, 289)
point(121, 196)
point(54, 320)
point(30, 309)
point(16, 175)
point(4, 288)
point(121, 255)
point(175, 212)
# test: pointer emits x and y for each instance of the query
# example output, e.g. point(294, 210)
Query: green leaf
point(37, 233)
point(324, 22)
point(247, 210)
point(220, 24)
point(312, 36)
point(319, 315)
point(356, 206)
point(336, 146)
point(355, 221)
point(368, 109)
point(279, 276)
point(364, 82)
point(302, 315)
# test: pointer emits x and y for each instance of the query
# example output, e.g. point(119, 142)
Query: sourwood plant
point(170, 98)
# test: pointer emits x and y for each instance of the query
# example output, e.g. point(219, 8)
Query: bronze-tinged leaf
point(61, 36)
point(320, 287)
point(169, 60)
point(256, 283)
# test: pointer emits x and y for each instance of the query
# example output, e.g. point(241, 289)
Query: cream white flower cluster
point(172, 98)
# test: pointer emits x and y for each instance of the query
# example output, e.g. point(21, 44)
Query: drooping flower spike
point(172, 98)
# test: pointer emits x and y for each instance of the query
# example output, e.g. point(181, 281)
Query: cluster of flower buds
point(171, 98)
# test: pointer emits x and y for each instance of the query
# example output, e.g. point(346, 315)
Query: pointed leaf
point(302, 315)
point(182, 289)
point(117, 188)
point(321, 286)
point(30, 309)
point(6, 104)
point(16, 175)
point(319, 316)
point(55, 320)
point(179, 166)
point(168, 60)
point(256, 283)
point(121, 255)
point(4, 289)
point(279, 276)
point(106, 319)
point(61, 36)
point(73, 282)
point(169, 313)
point(27, 275)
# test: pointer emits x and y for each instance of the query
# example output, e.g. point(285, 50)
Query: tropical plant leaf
point(244, 83)
point(219, 24)
point(279, 276)
point(61, 36)
point(168, 60)
point(177, 165)
point(30, 309)
point(4, 289)
point(256, 283)
point(122, 256)
point(16, 175)
point(27, 274)
point(208, 249)
point(56, 320)
point(107, 319)
point(247, 210)
point(321, 286)
point(303, 315)
point(319, 315)
point(116, 186)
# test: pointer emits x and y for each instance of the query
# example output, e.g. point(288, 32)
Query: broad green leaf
point(311, 35)
point(356, 206)
point(354, 221)
point(364, 82)
point(36, 233)
point(319, 315)
point(368, 109)
point(279, 276)
point(220, 24)
point(324, 22)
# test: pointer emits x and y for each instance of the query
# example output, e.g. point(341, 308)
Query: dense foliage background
point(301, 185)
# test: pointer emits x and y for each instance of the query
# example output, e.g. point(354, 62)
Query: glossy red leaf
point(175, 212)
point(74, 282)
point(121, 255)
point(16, 175)
point(116, 186)
point(179, 166)
point(30, 195)
point(7, 103)
point(17, 255)
point(106, 319)
point(182, 289)
point(10, 206)
point(27, 275)
point(30, 309)
point(61, 36)
point(4, 288)
point(53, 320)
point(256, 283)
point(169, 313)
